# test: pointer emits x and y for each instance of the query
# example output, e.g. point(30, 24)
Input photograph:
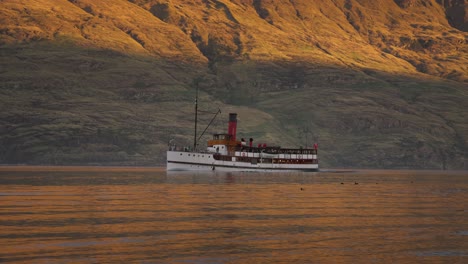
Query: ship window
point(181, 154)
point(189, 155)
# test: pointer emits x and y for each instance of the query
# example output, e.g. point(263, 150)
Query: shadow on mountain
point(65, 104)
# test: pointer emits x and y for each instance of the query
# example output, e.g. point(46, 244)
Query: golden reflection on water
point(143, 215)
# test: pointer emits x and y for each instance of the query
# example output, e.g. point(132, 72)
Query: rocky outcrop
point(405, 3)
point(457, 13)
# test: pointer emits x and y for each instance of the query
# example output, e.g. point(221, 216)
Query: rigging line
point(216, 114)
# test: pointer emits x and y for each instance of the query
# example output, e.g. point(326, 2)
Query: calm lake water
point(141, 215)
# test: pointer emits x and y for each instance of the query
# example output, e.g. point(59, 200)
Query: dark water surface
point(136, 215)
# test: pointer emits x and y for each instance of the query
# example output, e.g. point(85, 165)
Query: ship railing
point(277, 150)
point(179, 148)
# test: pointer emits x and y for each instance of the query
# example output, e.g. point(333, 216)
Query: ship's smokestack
point(232, 125)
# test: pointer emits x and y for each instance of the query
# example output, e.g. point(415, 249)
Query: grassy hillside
point(111, 82)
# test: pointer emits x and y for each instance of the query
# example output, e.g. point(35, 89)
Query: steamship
point(225, 153)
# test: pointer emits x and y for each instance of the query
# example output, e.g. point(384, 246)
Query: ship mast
point(196, 119)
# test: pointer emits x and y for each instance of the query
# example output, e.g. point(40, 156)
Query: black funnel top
point(232, 117)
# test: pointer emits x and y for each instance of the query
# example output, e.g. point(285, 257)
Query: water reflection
point(108, 215)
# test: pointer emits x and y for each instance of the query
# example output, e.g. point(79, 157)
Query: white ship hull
point(196, 161)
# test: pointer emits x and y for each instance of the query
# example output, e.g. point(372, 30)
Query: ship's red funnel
point(232, 128)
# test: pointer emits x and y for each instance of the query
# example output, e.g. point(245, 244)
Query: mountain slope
point(377, 84)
